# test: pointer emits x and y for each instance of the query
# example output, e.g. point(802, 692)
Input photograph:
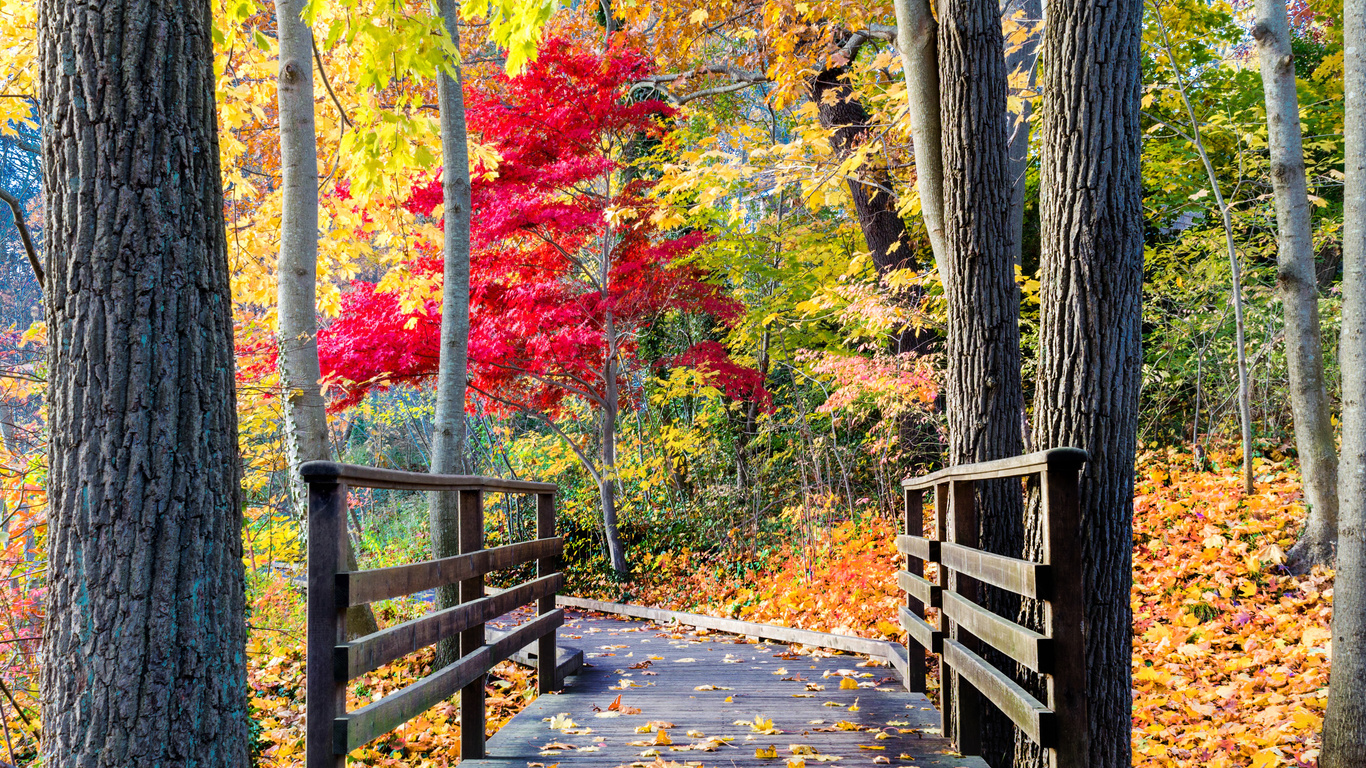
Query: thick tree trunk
point(982, 384)
point(144, 648)
point(449, 453)
point(1344, 725)
point(917, 40)
point(297, 272)
point(1090, 355)
point(1314, 439)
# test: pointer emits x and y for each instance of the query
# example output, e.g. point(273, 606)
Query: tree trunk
point(297, 273)
point(449, 453)
point(1344, 724)
point(917, 39)
point(982, 383)
point(1090, 337)
point(870, 186)
point(144, 648)
point(1314, 439)
point(607, 479)
point(1024, 58)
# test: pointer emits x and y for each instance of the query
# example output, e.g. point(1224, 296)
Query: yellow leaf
point(848, 684)
point(766, 754)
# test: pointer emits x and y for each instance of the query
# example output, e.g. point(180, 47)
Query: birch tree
point(448, 430)
point(297, 271)
point(1298, 288)
point(1344, 723)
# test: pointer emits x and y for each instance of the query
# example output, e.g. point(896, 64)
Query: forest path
point(661, 674)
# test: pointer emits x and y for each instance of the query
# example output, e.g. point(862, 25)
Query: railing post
point(326, 686)
point(1065, 612)
point(546, 651)
point(472, 695)
point(914, 524)
point(941, 528)
point(962, 529)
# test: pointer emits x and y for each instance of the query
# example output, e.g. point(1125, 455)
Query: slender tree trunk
point(870, 187)
point(1235, 267)
point(1090, 355)
point(297, 272)
point(449, 452)
point(1314, 439)
point(1023, 58)
point(607, 479)
point(982, 384)
point(917, 39)
point(144, 648)
point(1344, 725)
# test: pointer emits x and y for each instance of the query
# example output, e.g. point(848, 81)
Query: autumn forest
point(1001, 361)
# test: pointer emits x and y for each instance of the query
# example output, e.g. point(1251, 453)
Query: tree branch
point(18, 210)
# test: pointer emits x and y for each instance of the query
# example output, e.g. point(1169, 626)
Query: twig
point(18, 210)
point(5, 689)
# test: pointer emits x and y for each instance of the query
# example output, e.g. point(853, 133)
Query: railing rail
point(330, 730)
point(1058, 652)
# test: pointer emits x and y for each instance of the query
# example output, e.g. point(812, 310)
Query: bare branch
point(18, 210)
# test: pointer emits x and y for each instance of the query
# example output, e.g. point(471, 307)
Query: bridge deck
point(662, 676)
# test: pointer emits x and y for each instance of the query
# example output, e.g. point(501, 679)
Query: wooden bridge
point(635, 686)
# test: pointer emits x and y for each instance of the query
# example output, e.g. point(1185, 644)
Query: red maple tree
point(567, 265)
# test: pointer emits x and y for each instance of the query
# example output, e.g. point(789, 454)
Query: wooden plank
point(472, 711)
point(963, 530)
point(361, 587)
point(547, 671)
point(568, 661)
point(1014, 466)
point(1019, 576)
point(1065, 616)
point(914, 524)
point(941, 533)
point(791, 635)
point(919, 587)
point(358, 728)
point(1027, 712)
point(325, 697)
point(372, 651)
point(918, 546)
point(375, 477)
point(1023, 645)
point(920, 630)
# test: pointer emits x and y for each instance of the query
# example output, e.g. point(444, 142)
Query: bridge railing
point(1057, 653)
point(330, 730)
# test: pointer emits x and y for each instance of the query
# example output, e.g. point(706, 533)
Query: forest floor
point(1230, 651)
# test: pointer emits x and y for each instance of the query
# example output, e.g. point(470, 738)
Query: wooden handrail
point(377, 477)
point(330, 731)
point(1015, 466)
point(1060, 725)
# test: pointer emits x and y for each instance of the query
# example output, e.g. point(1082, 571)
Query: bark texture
point(1090, 342)
point(1344, 724)
point(297, 273)
point(1298, 288)
point(449, 454)
point(982, 384)
point(143, 653)
point(917, 40)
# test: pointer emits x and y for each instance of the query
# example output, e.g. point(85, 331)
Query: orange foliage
point(275, 674)
point(1230, 651)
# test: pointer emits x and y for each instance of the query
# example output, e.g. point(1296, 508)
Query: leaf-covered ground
point(1230, 651)
point(275, 674)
